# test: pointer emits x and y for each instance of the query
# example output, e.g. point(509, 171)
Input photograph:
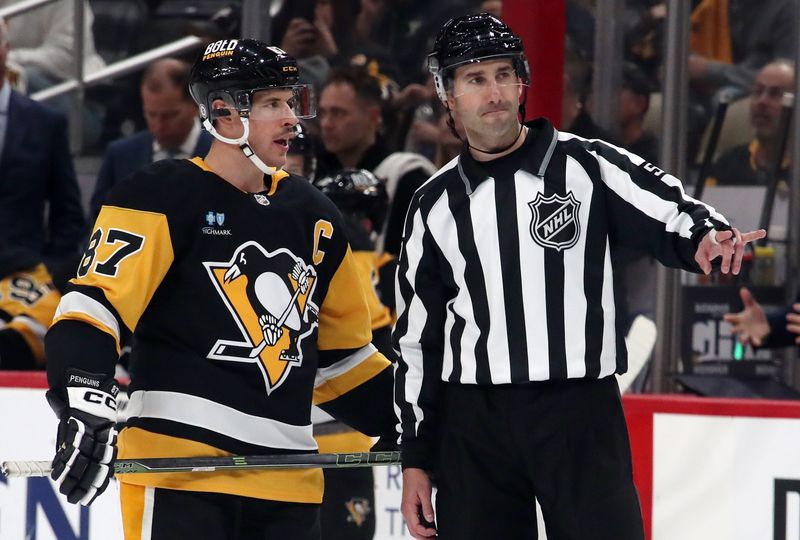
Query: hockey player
point(243, 298)
point(507, 327)
point(28, 300)
point(348, 511)
point(300, 159)
point(363, 202)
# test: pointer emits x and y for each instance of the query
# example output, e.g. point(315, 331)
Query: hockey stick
point(220, 463)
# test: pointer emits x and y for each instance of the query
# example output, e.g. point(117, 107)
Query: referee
point(507, 326)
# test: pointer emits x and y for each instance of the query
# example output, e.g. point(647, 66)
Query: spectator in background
point(495, 7)
point(42, 49)
point(634, 101)
point(637, 270)
point(304, 29)
point(40, 204)
point(43, 43)
point(173, 129)
point(349, 118)
point(437, 133)
point(28, 300)
point(752, 326)
point(407, 28)
point(575, 117)
point(732, 39)
point(751, 164)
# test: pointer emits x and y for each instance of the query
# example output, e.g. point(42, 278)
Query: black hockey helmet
point(474, 38)
point(234, 69)
point(357, 191)
point(302, 145)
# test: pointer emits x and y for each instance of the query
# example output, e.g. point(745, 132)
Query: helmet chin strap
point(243, 144)
point(499, 150)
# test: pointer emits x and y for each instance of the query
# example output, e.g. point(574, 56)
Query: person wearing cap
point(235, 283)
point(507, 329)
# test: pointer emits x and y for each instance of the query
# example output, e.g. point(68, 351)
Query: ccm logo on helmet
point(220, 48)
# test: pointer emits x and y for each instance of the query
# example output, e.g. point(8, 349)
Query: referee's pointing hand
point(729, 245)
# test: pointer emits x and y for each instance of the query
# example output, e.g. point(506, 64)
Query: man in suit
point(173, 129)
point(40, 206)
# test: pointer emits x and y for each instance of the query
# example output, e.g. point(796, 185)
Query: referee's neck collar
point(537, 151)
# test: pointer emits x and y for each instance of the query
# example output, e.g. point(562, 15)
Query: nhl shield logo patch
point(555, 221)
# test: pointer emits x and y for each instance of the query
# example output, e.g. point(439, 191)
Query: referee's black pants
point(563, 442)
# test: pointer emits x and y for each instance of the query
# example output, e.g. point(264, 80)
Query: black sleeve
point(368, 408)
point(382, 339)
point(779, 336)
point(386, 281)
point(74, 344)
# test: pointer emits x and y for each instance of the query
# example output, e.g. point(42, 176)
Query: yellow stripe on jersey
point(200, 162)
point(343, 443)
point(298, 485)
point(366, 262)
point(128, 256)
point(344, 317)
point(277, 177)
point(132, 502)
point(341, 381)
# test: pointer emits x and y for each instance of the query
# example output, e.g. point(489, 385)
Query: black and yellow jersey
point(28, 300)
point(367, 262)
point(334, 436)
point(241, 307)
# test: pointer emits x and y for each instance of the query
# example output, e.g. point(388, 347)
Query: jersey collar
point(276, 178)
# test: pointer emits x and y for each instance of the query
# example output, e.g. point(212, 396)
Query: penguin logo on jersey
point(555, 221)
point(269, 296)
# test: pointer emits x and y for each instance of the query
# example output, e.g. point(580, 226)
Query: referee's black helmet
point(474, 38)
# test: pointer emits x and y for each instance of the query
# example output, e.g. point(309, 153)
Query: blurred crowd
point(377, 106)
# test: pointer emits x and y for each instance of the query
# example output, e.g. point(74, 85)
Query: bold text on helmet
point(221, 45)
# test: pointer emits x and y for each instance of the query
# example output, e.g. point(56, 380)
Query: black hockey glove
point(86, 446)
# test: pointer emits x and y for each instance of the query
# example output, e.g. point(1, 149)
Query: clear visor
point(287, 102)
point(482, 79)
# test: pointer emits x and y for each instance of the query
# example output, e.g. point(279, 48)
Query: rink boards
point(705, 469)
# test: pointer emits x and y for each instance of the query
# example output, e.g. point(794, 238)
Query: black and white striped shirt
point(505, 274)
